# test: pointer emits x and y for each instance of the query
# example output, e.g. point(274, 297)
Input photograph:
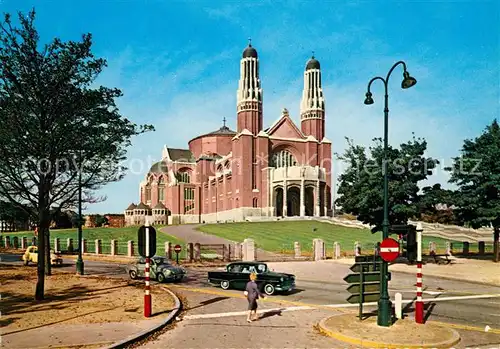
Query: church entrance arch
point(278, 200)
point(309, 201)
point(293, 201)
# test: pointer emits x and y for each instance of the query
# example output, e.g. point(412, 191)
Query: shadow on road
point(271, 313)
point(208, 301)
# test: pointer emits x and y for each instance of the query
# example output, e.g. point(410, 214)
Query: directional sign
point(368, 287)
point(177, 248)
point(147, 241)
point(367, 297)
point(367, 277)
point(389, 249)
point(367, 267)
point(370, 258)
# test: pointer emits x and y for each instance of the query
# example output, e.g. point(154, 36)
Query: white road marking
point(494, 314)
point(341, 305)
point(432, 293)
point(238, 313)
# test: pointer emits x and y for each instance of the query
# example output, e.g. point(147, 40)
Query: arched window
point(184, 177)
point(148, 192)
point(283, 158)
point(161, 189)
point(255, 202)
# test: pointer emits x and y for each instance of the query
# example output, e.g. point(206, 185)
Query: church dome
point(313, 63)
point(250, 52)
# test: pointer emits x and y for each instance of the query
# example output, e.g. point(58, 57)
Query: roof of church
point(211, 156)
point(313, 63)
point(183, 155)
point(224, 130)
point(142, 206)
point(250, 52)
point(159, 205)
point(131, 207)
point(159, 167)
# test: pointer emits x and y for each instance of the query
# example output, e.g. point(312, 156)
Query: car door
point(244, 275)
point(141, 266)
point(34, 254)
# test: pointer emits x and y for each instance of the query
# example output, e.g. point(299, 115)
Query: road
point(449, 301)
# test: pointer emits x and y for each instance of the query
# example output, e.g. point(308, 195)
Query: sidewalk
point(76, 335)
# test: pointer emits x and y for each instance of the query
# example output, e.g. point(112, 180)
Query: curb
point(141, 335)
point(373, 344)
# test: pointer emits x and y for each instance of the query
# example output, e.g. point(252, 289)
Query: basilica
point(225, 175)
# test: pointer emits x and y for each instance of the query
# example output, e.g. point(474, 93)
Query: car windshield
point(160, 260)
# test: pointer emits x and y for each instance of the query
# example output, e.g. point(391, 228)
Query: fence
point(318, 249)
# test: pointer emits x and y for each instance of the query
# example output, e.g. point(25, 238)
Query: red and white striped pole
point(147, 293)
point(419, 304)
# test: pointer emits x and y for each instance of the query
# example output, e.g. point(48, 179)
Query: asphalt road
point(463, 310)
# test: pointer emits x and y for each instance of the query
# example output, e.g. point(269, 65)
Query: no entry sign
point(177, 248)
point(389, 250)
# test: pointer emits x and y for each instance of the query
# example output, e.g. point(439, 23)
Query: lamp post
point(79, 261)
point(384, 303)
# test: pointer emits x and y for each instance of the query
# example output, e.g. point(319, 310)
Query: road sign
point(177, 248)
point(147, 241)
point(368, 287)
point(368, 277)
point(389, 249)
point(367, 267)
point(367, 258)
point(367, 297)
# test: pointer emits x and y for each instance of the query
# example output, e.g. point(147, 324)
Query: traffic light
point(410, 244)
point(407, 233)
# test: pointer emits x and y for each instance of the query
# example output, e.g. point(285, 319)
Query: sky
point(177, 63)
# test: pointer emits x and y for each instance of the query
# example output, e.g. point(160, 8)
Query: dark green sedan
point(237, 274)
point(160, 270)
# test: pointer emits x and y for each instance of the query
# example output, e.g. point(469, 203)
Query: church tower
point(249, 95)
point(312, 106)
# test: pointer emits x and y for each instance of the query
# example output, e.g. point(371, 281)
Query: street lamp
point(79, 261)
point(384, 303)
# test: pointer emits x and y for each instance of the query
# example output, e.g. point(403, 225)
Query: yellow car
point(31, 255)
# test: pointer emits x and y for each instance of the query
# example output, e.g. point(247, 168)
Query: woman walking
point(252, 292)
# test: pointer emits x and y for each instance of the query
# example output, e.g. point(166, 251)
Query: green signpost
point(364, 282)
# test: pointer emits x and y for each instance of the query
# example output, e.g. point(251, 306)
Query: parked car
point(159, 269)
point(31, 255)
point(237, 274)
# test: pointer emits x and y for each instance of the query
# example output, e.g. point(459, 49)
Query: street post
point(147, 249)
point(384, 303)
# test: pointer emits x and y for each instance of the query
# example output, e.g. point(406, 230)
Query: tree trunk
point(48, 268)
point(496, 244)
point(40, 284)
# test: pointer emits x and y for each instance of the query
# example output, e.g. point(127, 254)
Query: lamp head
point(368, 99)
point(408, 81)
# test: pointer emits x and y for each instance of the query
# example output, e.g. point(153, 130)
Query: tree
point(55, 127)
point(361, 184)
point(476, 172)
point(429, 202)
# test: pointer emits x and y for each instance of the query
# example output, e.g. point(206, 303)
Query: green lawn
point(280, 236)
point(122, 235)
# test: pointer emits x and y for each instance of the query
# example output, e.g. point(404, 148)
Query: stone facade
point(228, 175)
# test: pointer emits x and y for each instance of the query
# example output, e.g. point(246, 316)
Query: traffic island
point(402, 334)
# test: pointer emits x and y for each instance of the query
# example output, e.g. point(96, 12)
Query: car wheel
point(224, 284)
point(160, 277)
point(269, 289)
point(132, 274)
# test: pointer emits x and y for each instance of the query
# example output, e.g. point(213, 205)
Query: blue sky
point(178, 66)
